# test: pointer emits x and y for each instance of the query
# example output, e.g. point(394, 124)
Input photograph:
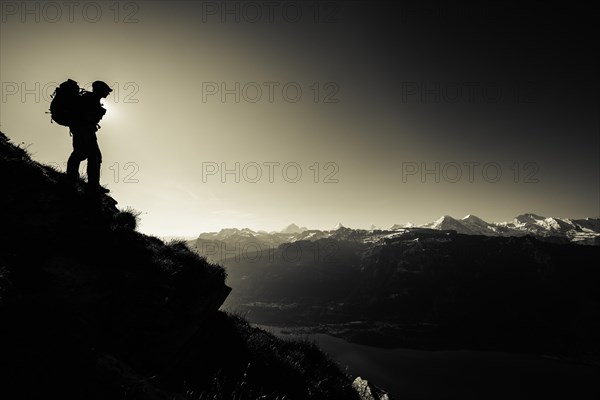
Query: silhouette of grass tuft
point(127, 219)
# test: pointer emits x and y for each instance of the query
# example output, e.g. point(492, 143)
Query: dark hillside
point(92, 309)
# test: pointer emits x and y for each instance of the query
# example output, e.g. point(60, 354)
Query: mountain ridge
point(422, 288)
point(581, 231)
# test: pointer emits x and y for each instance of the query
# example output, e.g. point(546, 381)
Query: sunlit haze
point(358, 113)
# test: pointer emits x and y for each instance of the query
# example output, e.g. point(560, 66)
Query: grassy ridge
point(90, 308)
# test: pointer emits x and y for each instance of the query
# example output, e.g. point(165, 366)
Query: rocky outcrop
point(368, 391)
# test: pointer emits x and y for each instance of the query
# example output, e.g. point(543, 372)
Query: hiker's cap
point(100, 86)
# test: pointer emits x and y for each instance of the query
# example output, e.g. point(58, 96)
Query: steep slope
point(92, 309)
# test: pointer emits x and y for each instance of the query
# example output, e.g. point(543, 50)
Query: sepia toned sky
point(260, 114)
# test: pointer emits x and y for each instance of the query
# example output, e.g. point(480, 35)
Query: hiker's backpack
point(64, 107)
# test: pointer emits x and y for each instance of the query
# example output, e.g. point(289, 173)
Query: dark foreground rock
point(92, 309)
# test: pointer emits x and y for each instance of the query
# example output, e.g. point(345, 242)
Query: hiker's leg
point(77, 156)
point(73, 167)
point(93, 164)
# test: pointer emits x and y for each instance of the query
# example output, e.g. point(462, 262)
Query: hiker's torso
point(90, 111)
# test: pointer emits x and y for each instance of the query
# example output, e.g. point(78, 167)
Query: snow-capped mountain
point(469, 225)
point(581, 231)
point(401, 226)
point(477, 226)
point(338, 226)
point(447, 223)
point(585, 231)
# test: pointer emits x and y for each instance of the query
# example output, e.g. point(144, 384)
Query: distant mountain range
point(451, 284)
point(580, 231)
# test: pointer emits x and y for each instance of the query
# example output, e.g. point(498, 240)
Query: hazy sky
point(260, 114)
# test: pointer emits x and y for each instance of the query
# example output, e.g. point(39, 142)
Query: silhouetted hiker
point(85, 143)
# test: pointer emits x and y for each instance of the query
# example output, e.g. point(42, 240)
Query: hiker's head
point(101, 88)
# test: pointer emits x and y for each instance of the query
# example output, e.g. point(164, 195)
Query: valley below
point(428, 313)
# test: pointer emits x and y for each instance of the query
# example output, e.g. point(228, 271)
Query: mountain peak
point(338, 226)
point(401, 226)
point(228, 231)
point(529, 217)
point(293, 228)
point(474, 220)
point(444, 219)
